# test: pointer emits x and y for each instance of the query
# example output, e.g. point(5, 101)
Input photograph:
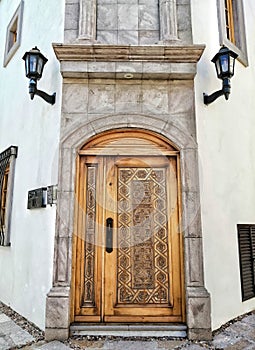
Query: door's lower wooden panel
point(87, 319)
point(147, 319)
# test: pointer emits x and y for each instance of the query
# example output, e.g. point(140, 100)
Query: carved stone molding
point(117, 53)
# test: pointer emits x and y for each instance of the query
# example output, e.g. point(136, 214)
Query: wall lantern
point(224, 62)
point(34, 64)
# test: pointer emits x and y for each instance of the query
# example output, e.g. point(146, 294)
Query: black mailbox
point(37, 198)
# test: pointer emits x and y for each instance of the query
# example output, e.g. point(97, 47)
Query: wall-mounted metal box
point(52, 194)
point(37, 198)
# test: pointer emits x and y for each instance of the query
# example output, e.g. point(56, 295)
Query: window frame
point(7, 163)
point(3, 196)
point(246, 247)
point(239, 47)
point(230, 25)
point(17, 22)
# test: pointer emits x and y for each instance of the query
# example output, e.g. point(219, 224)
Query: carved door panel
point(128, 258)
point(87, 276)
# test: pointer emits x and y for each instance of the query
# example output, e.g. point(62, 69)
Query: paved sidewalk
point(17, 333)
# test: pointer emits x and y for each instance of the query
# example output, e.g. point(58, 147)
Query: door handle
point(109, 232)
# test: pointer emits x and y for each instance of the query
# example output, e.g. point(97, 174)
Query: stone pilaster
point(87, 20)
point(58, 299)
point(198, 306)
point(168, 20)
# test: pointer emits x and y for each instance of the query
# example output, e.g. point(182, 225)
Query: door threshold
point(173, 330)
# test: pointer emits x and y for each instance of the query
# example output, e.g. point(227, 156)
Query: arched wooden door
point(127, 247)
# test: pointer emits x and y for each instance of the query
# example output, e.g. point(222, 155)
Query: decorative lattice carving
point(142, 256)
point(89, 243)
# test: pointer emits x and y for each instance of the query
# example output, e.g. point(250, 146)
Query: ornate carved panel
point(142, 256)
point(89, 242)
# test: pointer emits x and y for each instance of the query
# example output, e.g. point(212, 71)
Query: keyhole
point(110, 184)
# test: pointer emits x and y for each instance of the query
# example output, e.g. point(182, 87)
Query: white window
point(13, 34)
point(232, 27)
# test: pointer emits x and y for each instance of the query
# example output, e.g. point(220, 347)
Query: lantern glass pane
point(40, 66)
point(224, 60)
point(217, 65)
point(232, 65)
point(32, 63)
point(27, 65)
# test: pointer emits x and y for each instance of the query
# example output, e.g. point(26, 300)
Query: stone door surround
point(197, 298)
point(161, 73)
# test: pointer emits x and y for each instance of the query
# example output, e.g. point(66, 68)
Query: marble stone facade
point(128, 22)
point(133, 22)
point(113, 86)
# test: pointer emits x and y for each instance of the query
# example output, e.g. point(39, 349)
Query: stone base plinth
point(57, 314)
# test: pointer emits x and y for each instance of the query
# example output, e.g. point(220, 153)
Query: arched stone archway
point(197, 298)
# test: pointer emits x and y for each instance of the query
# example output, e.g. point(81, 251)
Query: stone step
point(175, 330)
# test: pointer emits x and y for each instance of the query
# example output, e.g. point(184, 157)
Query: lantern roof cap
point(224, 50)
point(36, 51)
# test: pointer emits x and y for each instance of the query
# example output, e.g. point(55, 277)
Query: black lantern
point(224, 62)
point(34, 64)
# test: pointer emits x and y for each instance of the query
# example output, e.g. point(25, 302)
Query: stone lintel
point(128, 53)
point(128, 70)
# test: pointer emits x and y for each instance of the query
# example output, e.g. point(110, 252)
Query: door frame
point(59, 298)
point(106, 145)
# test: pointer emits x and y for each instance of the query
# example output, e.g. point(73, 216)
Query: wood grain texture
point(141, 280)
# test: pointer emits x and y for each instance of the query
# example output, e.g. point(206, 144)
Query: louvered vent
point(246, 239)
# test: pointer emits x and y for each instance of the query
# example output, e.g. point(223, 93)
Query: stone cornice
point(120, 53)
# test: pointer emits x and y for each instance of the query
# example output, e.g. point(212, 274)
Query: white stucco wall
point(33, 126)
point(226, 142)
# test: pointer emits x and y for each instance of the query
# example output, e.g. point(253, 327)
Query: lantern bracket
point(34, 91)
point(224, 91)
point(224, 62)
point(34, 64)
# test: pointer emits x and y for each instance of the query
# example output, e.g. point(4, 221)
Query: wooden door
point(127, 249)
